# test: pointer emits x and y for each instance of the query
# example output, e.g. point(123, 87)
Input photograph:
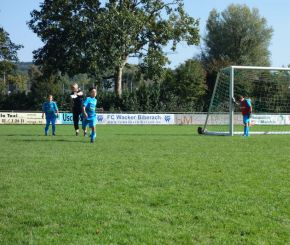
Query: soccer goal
point(268, 88)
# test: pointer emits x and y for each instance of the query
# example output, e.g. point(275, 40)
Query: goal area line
point(241, 133)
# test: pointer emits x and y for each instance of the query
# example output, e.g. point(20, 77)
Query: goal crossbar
point(257, 68)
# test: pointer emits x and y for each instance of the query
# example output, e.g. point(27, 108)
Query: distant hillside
point(22, 67)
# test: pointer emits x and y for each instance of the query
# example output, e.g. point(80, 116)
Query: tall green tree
point(236, 36)
point(83, 36)
point(8, 49)
point(8, 55)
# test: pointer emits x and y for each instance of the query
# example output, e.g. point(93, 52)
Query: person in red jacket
point(246, 109)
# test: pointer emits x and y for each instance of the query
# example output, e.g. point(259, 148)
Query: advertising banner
point(270, 119)
point(129, 119)
point(200, 118)
point(146, 119)
point(152, 119)
point(21, 118)
point(158, 119)
point(66, 118)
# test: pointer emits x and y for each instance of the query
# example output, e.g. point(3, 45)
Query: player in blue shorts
point(50, 109)
point(89, 113)
point(246, 109)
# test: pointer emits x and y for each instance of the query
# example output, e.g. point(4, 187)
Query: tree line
point(90, 43)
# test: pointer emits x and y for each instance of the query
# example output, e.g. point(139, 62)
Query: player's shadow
point(21, 135)
point(32, 135)
point(54, 139)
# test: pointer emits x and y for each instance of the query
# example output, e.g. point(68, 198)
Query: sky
point(14, 15)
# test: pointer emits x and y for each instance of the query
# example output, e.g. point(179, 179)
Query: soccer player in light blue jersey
point(89, 113)
point(50, 109)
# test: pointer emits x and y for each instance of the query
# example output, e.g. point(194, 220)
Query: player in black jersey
point(77, 98)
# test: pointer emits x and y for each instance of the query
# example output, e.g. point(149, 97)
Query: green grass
point(143, 185)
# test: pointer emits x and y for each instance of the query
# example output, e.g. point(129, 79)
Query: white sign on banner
point(155, 119)
point(270, 119)
point(66, 118)
point(21, 118)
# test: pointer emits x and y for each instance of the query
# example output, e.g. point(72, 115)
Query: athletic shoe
point(85, 134)
point(53, 134)
point(92, 140)
point(77, 133)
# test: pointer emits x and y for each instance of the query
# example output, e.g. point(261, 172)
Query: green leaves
point(8, 49)
point(188, 82)
point(83, 36)
point(8, 57)
point(237, 35)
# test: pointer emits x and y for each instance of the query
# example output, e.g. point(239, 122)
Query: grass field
point(143, 185)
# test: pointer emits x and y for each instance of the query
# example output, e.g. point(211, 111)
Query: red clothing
point(246, 107)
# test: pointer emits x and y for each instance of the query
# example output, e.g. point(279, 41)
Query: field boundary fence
point(152, 118)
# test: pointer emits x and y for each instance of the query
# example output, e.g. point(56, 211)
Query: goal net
point(268, 88)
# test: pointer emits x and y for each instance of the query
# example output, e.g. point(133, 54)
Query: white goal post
point(268, 88)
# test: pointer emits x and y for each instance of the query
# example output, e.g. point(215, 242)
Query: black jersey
point(77, 100)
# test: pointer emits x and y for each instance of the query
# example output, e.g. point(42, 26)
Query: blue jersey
point(49, 108)
point(90, 105)
point(249, 103)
